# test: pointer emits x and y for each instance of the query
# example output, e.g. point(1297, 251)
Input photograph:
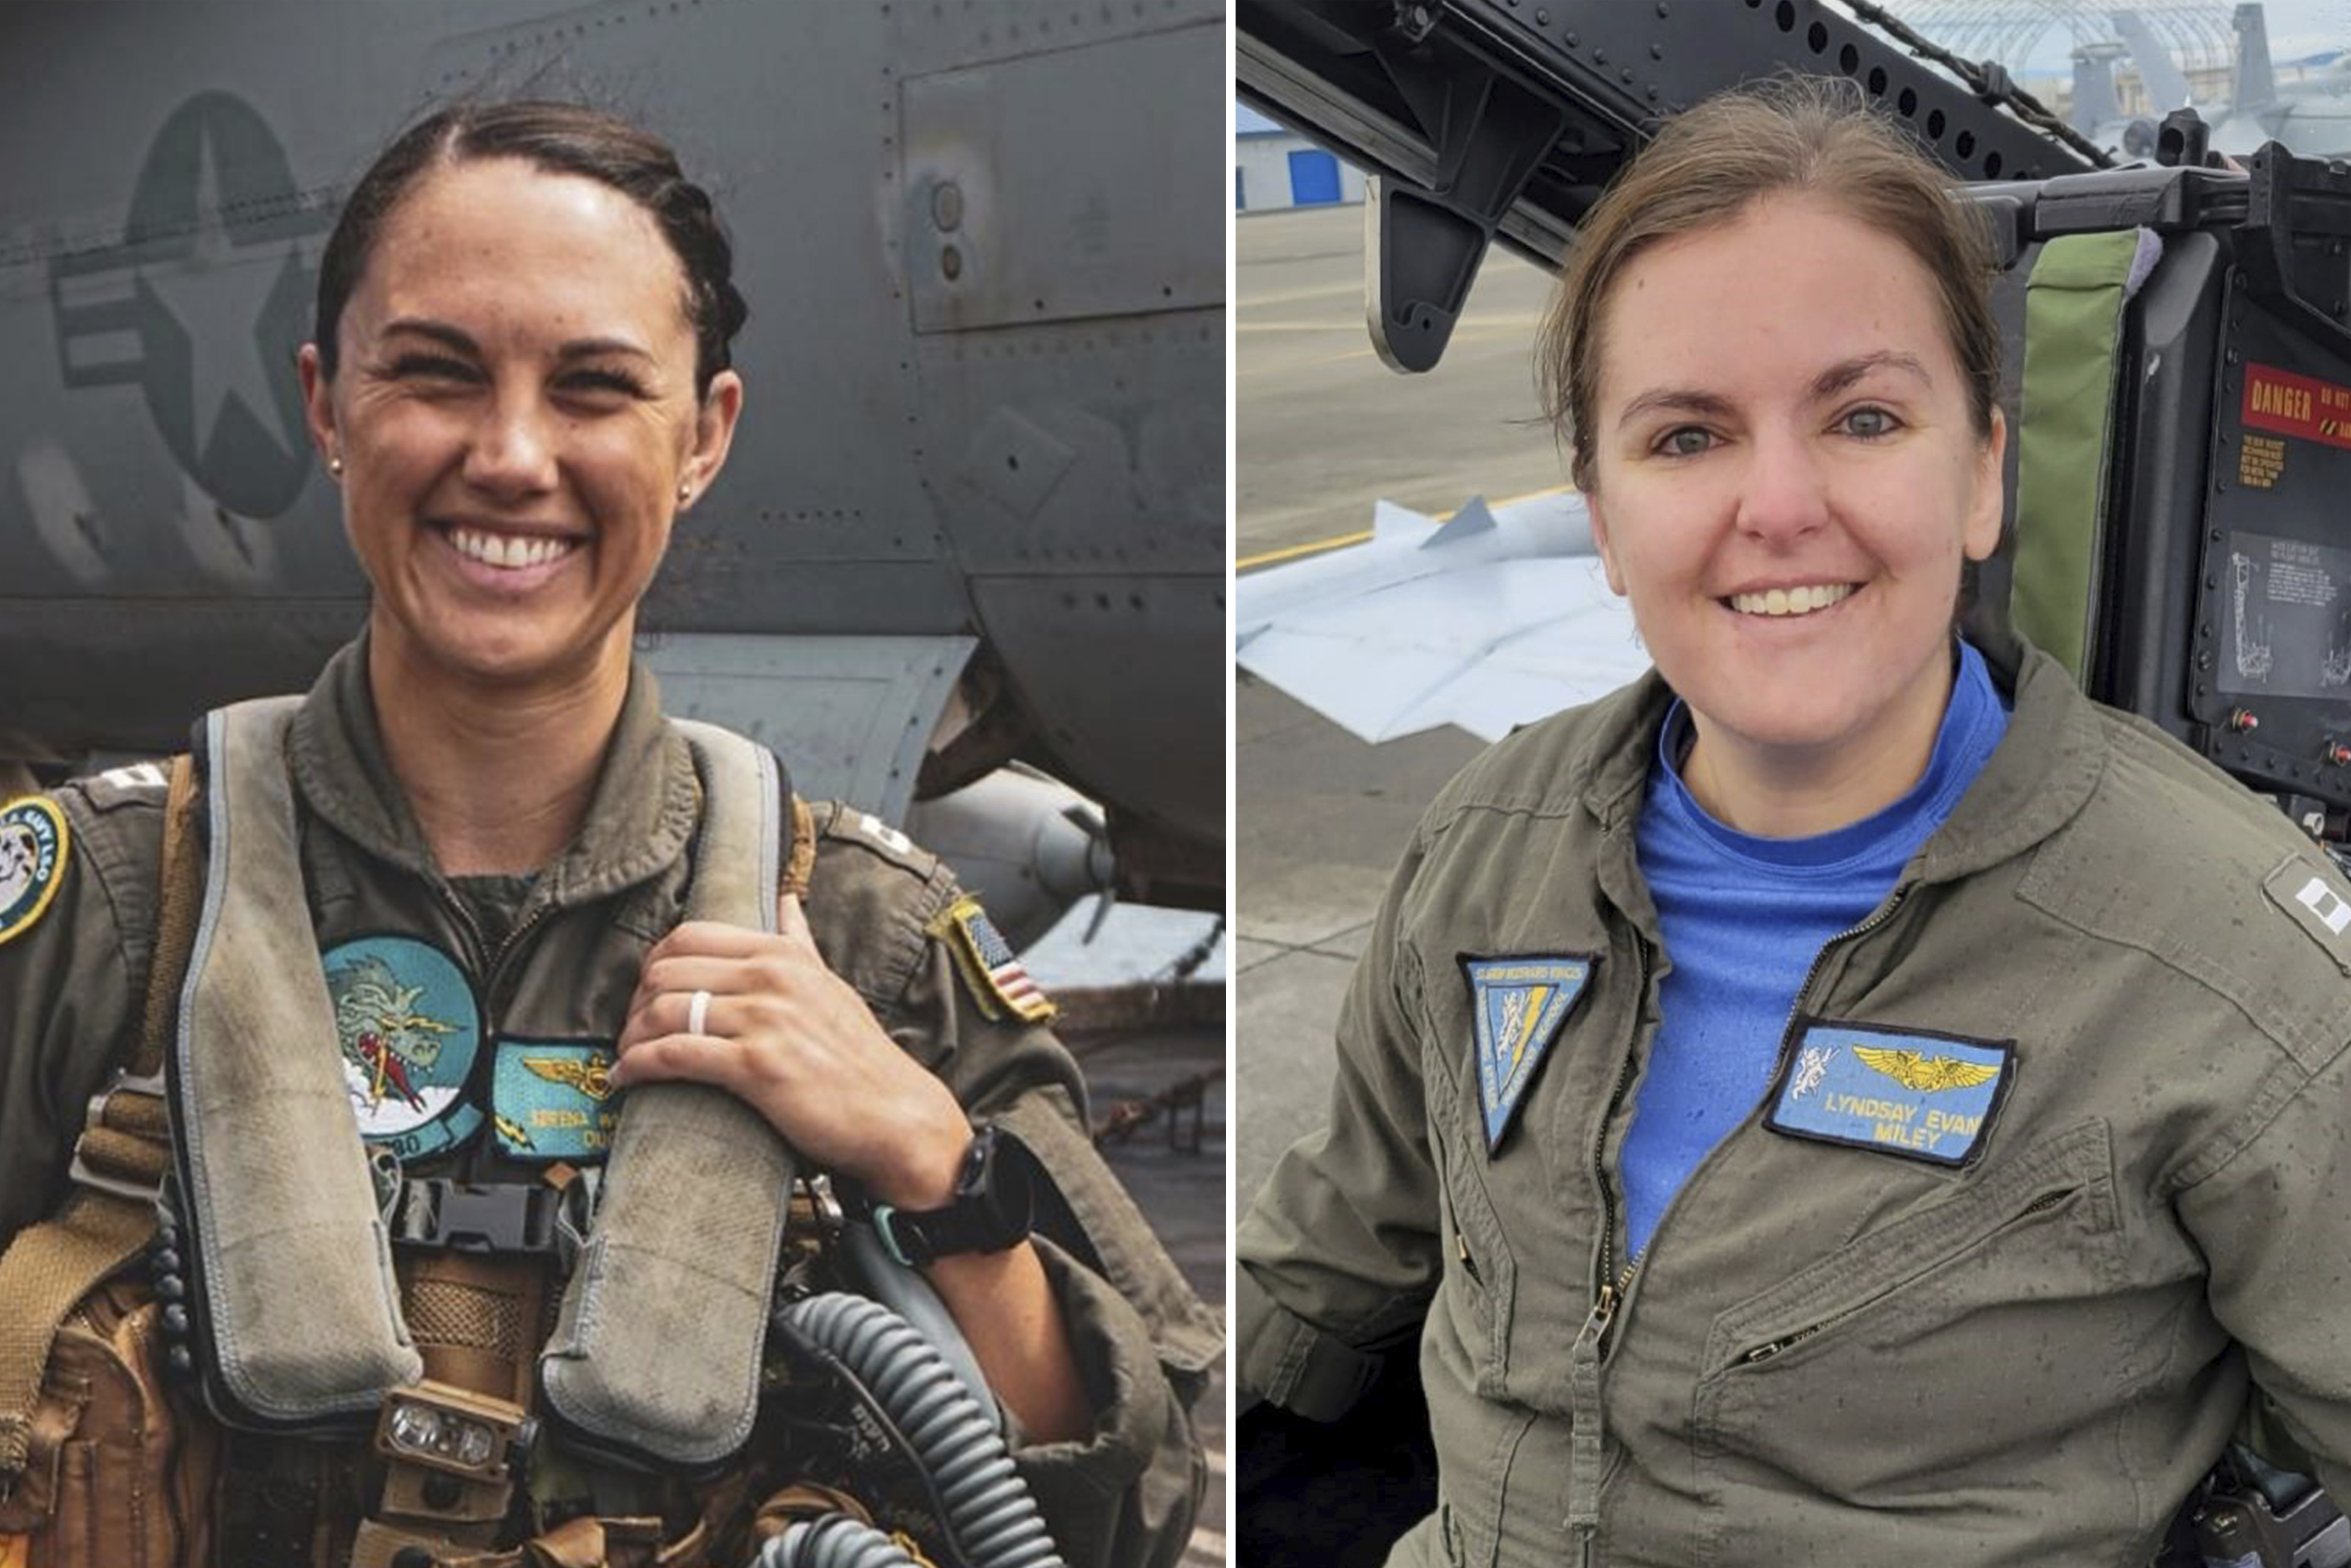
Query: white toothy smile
point(1802, 599)
point(514, 551)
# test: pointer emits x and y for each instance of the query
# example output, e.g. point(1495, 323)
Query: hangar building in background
point(1273, 166)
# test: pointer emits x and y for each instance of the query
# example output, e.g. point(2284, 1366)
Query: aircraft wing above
point(1490, 621)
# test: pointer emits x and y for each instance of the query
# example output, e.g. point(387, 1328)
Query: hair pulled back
point(561, 138)
point(1811, 136)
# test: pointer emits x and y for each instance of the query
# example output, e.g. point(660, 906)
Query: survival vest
point(275, 1285)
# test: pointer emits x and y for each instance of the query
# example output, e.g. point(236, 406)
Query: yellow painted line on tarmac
point(1311, 547)
point(1340, 542)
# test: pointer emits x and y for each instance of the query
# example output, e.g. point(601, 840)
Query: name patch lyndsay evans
point(1922, 1095)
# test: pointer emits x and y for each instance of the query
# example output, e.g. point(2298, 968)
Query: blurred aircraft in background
point(969, 558)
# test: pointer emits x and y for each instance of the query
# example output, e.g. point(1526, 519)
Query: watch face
point(1016, 1183)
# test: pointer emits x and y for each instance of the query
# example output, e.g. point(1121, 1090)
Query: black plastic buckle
point(461, 1217)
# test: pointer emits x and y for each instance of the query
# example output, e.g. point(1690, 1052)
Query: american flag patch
point(998, 979)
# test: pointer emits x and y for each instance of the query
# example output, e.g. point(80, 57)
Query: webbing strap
point(800, 868)
point(124, 1151)
point(2072, 327)
point(680, 1266)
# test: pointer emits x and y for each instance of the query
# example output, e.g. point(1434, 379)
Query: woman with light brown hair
point(1841, 1097)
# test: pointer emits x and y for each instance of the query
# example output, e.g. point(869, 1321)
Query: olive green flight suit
point(1833, 1354)
point(70, 986)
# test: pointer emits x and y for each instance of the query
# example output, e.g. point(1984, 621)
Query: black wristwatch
point(995, 1200)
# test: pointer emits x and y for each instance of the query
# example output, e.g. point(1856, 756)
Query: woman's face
point(514, 411)
point(1786, 478)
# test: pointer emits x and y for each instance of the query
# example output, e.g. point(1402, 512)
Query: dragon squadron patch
point(1930, 1097)
point(33, 840)
point(993, 972)
point(554, 1100)
point(1516, 1007)
point(409, 1028)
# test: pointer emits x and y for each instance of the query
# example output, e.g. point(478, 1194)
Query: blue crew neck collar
point(1973, 722)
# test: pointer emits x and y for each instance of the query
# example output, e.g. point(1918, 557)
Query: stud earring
point(684, 493)
point(334, 466)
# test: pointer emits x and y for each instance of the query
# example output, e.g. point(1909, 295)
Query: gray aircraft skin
point(974, 514)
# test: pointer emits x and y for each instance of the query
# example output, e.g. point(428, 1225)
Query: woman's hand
point(783, 1032)
point(786, 1035)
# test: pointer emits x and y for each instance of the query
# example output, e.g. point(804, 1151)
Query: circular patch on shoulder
point(32, 840)
point(409, 1028)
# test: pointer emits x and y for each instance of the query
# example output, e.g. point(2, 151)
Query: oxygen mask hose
point(836, 1540)
point(989, 1511)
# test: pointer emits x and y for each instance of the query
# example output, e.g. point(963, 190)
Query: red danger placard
point(2297, 405)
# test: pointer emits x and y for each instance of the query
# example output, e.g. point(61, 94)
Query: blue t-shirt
point(1743, 919)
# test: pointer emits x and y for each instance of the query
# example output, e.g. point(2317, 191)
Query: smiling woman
point(1844, 1097)
point(528, 894)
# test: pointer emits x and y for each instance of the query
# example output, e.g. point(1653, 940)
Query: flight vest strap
point(119, 1161)
point(657, 1349)
point(301, 1321)
point(656, 1353)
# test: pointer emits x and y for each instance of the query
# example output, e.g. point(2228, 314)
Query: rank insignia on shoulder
point(990, 968)
point(2310, 901)
point(1516, 1007)
point(33, 842)
point(1923, 1096)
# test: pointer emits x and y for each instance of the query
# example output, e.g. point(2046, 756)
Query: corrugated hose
point(988, 1509)
point(836, 1540)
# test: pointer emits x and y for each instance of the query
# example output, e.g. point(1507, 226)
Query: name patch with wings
point(554, 1100)
point(1923, 1096)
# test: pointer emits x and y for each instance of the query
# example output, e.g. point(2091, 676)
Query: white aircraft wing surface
point(1491, 620)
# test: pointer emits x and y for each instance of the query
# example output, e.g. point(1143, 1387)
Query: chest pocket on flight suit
point(1870, 1378)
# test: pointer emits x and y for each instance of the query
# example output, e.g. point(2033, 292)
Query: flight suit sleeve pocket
point(1872, 1374)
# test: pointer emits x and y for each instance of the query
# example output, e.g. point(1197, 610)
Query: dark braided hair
point(561, 139)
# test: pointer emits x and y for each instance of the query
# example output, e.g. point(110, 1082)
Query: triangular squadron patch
point(1517, 1005)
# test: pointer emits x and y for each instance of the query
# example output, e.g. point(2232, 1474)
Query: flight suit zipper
point(491, 967)
point(1770, 1348)
point(1586, 1449)
point(1877, 917)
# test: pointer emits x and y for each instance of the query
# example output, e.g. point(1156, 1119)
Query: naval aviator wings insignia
point(1516, 1008)
point(1923, 1096)
point(554, 1099)
point(1915, 1069)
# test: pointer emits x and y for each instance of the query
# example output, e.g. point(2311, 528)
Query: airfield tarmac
point(1323, 431)
point(1138, 1057)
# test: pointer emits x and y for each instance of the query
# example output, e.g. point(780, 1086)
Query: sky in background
point(2296, 28)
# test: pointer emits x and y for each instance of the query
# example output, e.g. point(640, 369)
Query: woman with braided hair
point(511, 875)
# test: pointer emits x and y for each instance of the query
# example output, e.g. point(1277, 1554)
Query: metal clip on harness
point(988, 1509)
